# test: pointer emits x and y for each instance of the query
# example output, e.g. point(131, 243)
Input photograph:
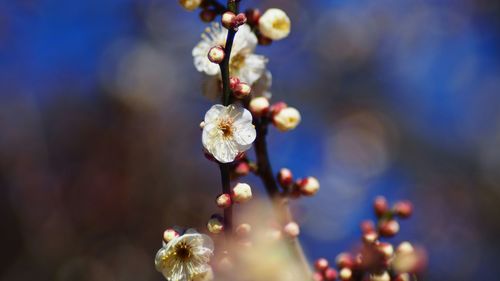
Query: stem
point(233, 6)
point(280, 202)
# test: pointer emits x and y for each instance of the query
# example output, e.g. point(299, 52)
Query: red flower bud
point(403, 209)
point(380, 206)
point(321, 264)
point(285, 177)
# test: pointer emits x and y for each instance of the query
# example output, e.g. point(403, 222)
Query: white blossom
point(186, 257)
point(287, 119)
point(274, 24)
point(243, 63)
point(227, 131)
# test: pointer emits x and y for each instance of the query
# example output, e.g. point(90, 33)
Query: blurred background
point(100, 147)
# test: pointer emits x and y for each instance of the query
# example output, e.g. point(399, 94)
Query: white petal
point(245, 40)
point(225, 151)
point(262, 85)
point(244, 134)
point(214, 113)
point(254, 68)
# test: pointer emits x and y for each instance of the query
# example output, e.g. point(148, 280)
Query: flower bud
point(308, 186)
point(274, 24)
point(370, 237)
point(277, 107)
point(243, 229)
point(169, 234)
point(253, 16)
point(215, 225)
point(345, 274)
point(384, 276)
point(321, 264)
point(330, 274)
point(223, 201)
point(242, 169)
point(386, 249)
point(242, 90)
point(344, 260)
point(405, 248)
point(388, 228)
point(239, 20)
point(216, 54)
point(291, 229)
point(190, 5)
point(380, 206)
point(287, 119)
point(285, 177)
point(233, 82)
point(259, 106)
point(227, 19)
point(367, 226)
point(403, 209)
point(207, 15)
point(242, 192)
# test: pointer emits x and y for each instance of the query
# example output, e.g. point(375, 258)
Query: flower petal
point(214, 113)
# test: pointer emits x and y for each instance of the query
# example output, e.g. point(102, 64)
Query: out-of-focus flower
point(274, 24)
point(308, 186)
point(228, 131)
point(185, 257)
point(190, 5)
point(243, 63)
point(205, 276)
point(215, 225)
point(261, 87)
point(287, 119)
point(259, 105)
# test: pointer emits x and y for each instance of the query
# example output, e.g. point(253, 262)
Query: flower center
point(226, 127)
point(280, 24)
point(237, 62)
point(183, 251)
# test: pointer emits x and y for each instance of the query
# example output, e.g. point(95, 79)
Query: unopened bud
point(216, 54)
point(190, 4)
point(384, 276)
point(239, 20)
point(308, 186)
point(277, 107)
point(405, 248)
point(242, 192)
point(207, 15)
point(344, 260)
point(380, 206)
point(253, 16)
point(330, 274)
point(388, 228)
point(367, 226)
point(259, 106)
point(292, 229)
point(215, 225)
point(370, 237)
point(345, 274)
point(403, 209)
point(242, 169)
point(321, 264)
point(242, 90)
point(223, 201)
point(170, 234)
point(285, 177)
point(227, 19)
point(386, 249)
point(287, 119)
point(233, 82)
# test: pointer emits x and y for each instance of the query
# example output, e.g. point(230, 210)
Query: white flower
point(243, 63)
point(186, 257)
point(228, 130)
point(274, 24)
point(287, 119)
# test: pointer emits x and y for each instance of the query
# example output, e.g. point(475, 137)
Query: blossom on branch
point(186, 257)
point(227, 131)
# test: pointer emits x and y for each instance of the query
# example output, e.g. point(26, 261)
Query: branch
point(279, 201)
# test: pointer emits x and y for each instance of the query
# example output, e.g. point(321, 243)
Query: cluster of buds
point(241, 193)
point(240, 89)
point(282, 116)
point(308, 186)
point(232, 21)
point(377, 260)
